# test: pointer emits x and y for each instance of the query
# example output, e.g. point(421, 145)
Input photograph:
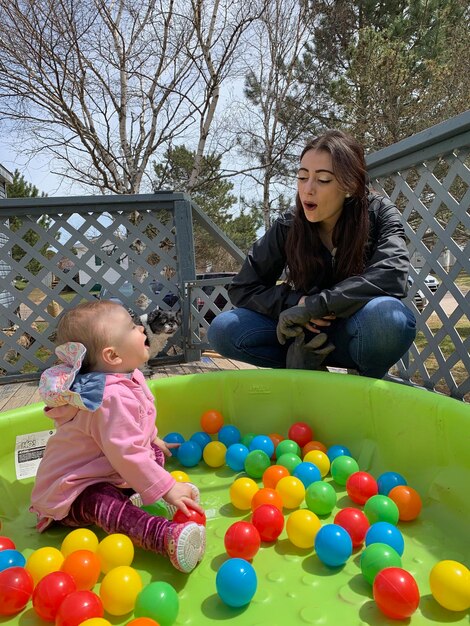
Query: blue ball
point(236, 582)
point(307, 472)
point(235, 456)
point(174, 438)
point(229, 434)
point(384, 532)
point(189, 453)
point(11, 558)
point(387, 481)
point(335, 451)
point(262, 442)
point(201, 438)
point(333, 545)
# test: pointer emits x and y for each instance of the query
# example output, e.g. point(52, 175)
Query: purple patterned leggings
point(109, 508)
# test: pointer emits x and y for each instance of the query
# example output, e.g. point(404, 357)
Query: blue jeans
point(370, 341)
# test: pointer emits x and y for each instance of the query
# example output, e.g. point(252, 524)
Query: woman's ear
point(110, 356)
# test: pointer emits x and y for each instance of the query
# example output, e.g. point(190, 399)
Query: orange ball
point(267, 495)
point(408, 502)
point(84, 566)
point(273, 474)
point(212, 421)
point(313, 445)
point(142, 621)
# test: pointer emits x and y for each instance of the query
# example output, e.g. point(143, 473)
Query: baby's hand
point(181, 496)
point(164, 446)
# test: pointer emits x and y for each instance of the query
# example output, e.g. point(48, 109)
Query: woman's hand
point(181, 496)
point(315, 324)
point(165, 447)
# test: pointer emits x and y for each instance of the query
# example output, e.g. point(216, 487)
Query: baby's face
point(128, 339)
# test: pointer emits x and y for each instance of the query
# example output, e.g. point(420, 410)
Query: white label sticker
point(29, 450)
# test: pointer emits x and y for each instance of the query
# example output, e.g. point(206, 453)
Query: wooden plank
point(6, 392)
point(21, 396)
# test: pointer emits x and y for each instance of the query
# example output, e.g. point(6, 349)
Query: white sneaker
point(185, 545)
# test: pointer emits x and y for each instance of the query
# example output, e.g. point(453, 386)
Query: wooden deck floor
point(15, 395)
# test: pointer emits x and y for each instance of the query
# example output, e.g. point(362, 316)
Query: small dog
point(159, 327)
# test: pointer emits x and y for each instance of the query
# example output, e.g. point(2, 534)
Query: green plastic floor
point(387, 426)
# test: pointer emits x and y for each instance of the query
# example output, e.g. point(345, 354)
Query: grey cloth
point(310, 355)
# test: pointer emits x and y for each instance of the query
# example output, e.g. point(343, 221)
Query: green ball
point(247, 439)
point(381, 508)
point(289, 460)
point(320, 497)
point(375, 558)
point(159, 601)
point(342, 467)
point(256, 463)
point(158, 508)
point(285, 446)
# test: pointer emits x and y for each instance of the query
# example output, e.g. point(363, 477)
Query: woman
point(344, 263)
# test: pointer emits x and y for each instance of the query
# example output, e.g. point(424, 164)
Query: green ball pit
point(387, 427)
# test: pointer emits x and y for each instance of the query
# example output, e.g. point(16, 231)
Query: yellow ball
point(115, 550)
point(242, 491)
point(79, 539)
point(302, 527)
point(292, 491)
point(214, 454)
point(450, 585)
point(180, 477)
point(96, 621)
point(320, 459)
point(44, 561)
point(119, 590)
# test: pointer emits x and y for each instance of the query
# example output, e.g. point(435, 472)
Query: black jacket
point(387, 263)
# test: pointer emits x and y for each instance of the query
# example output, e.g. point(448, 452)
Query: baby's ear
point(110, 356)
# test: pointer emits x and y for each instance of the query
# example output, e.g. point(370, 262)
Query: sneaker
point(185, 545)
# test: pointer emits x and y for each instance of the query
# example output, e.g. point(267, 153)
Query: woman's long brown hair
point(350, 235)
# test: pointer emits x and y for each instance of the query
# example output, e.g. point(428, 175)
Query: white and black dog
point(159, 327)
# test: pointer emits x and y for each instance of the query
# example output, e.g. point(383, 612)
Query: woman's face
point(320, 194)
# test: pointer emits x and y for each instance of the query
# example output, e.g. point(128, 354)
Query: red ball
point(361, 486)
point(49, 593)
point(269, 522)
point(242, 540)
point(77, 607)
point(301, 433)
point(6, 544)
point(355, 523)
point(194, 516)
point(16, 589)
point(396, 592)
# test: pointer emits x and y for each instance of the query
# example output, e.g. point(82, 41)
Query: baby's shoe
point(195, 495)
point(185, 545)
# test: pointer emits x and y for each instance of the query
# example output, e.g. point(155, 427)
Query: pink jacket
point(111, 444)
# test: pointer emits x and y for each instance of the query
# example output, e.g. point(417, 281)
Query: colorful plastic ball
point(381, 509)
point(333, 545)
point(159, 601)
point(276, 438)
point(6, 544)
point(79, 539)
point(119, 590)
point(142, 621)
point(302, 527)
point(266, 495)
point(247, 438)
point(49, 593)
point(16, 589)
point(287, 446)
point(242, 491)
point(292, 491)
point(301, 433)
point(269, 522)
point(264, 443)
point(320, 459)
point(307, 472)
point(313, 445)
point(179, 476)
point(201, 438)
point(158, 508)
point(96, 621)
point(194, 516)
point(242, 540)
point(289, 460)
point(388, 480)
point(236, 582)
point(43, 561)
point(256, 463)
point(84, 566)
point(361, 486)
point(383, 532)
point(174, 438)
point(375, 558)
point(235, 456)
point(229, 434)
point(212, 421)
point(214, 454)
point(189, 453)
point(342, 467)
point(320, 497)
point(77, 607)
point(337, 450)
point(408, 502)
point(115, 550)
point(396, 593)
point(273, 475)
point(11, 558)
point(355, 523)
point(450, 585)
